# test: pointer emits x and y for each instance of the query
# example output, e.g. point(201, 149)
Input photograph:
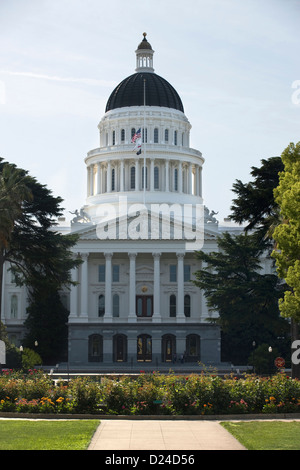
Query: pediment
point(97, 232)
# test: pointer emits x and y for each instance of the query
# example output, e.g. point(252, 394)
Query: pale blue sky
point(232, 62)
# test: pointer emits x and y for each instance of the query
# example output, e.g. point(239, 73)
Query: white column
point(108, 176)
point(190, 183)
point(197, 180)
point(92, 180)
point(179, 177)
point(84, 285)
point(167, 186)
point(151, 174)
point(108, 286)
point(200, 181)
point(74, 294)
point(122, 176)
point(137, 175)
point(156, 285)
point(180, 287)
point(88, 185)
point(99, 171)
point(132, 287)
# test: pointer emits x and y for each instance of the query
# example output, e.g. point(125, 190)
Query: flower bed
point(149, 394)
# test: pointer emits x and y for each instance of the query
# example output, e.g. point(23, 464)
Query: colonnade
point(128, 175)
point(79, 304)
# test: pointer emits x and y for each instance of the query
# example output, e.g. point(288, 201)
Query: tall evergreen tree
point(247, 301)
point(39, 256)
point(254, 203)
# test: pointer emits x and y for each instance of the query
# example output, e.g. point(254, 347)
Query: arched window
point(166, 135)
point(132, 131)
point(101, 305)
point(132, 177)
point(122, 135)
point(156, 135)
point(175, 137)
point(187, 305)
point(114, 138)
point(156, 177)
point(172, 305)
point(95, 348)
point(116, 305)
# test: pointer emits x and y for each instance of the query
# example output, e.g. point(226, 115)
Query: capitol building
point(143, 219)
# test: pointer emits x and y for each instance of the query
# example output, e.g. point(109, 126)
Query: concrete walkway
point(162, 435)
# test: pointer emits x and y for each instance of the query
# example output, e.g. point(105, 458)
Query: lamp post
point(21, 351)
point(270, 359)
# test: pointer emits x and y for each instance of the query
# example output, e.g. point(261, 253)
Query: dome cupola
point(157, 91)
point(144, 56)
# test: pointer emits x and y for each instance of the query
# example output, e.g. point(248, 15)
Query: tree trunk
point(294, 337)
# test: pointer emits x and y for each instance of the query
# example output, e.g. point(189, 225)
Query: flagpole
point(144, 141)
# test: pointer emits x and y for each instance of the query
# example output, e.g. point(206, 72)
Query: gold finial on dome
point(144, 34)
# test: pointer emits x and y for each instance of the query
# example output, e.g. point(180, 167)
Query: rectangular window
point(187, 272)
point(173, 273)
point(176, 179)
point(116, 273)
point(101, 273)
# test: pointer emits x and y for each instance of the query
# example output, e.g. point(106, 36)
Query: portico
point(148, 281)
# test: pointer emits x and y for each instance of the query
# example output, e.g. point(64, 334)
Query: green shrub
point(146, 394)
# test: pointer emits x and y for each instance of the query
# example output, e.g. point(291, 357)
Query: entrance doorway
point(168, 348)
point(120, 348)
point(144, 348)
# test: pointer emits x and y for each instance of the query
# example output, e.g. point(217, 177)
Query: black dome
point(130, 92)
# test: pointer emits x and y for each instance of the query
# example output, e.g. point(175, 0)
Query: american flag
point(137, 135)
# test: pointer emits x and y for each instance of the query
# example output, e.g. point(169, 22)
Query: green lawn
point(46, 435)
point(266, 435)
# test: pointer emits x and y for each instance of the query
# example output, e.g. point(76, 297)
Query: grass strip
point(266, 435)
point(46, 435)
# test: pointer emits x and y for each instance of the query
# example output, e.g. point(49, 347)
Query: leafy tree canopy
point(287, 233)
